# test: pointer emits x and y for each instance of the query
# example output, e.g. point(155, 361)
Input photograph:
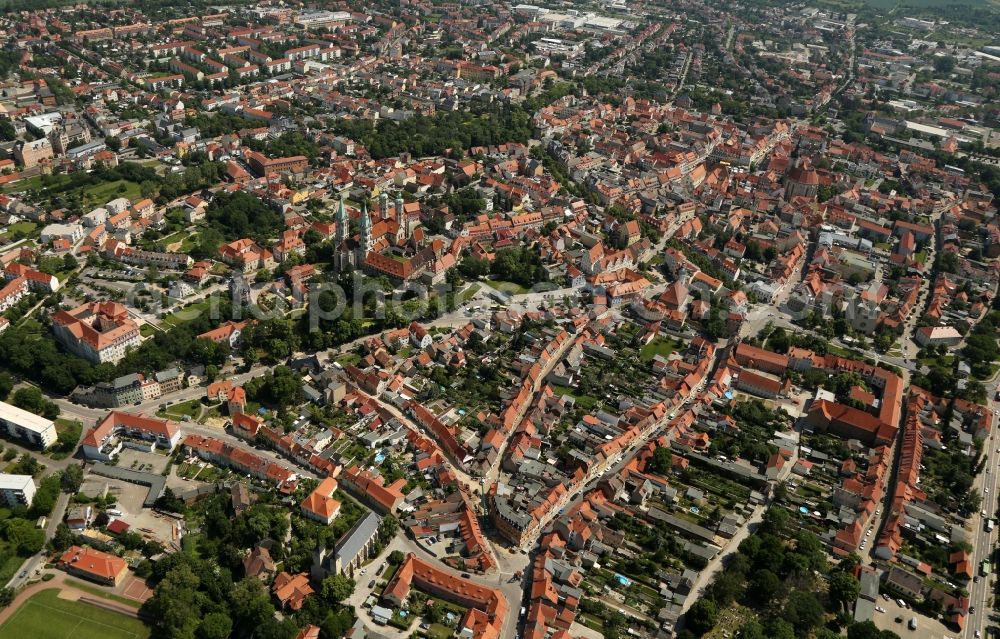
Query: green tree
point(174, 605)
point(944, 64)
point(726, 587)
point(803, 611)
point(24, 535)
point(863, 630)
point(764, 586)
point(239, 214)
point(31, 399)
point(63, 538)
point(751, 630)
point(776, 521)
point(337, 588)
point(251, 603)
point(27, 465)
point(472, 267)
point(776, 628)
point(662, 461)
point(6, 385)
point(336, 624)
point(844, 589)
point(72, 478)
point(702, 616)
point(215, 625)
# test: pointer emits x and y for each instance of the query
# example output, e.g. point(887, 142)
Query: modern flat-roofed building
point(28, 427)
point(17, 489)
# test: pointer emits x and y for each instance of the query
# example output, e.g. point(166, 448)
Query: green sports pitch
point(45, 616)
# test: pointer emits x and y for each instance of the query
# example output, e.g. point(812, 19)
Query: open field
point(659, 346)
point(25, 227)
point(186, 314)
point(511, 288)
point(45, 616)
point(98, 194)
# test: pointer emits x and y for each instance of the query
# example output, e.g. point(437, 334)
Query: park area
point(46, 616)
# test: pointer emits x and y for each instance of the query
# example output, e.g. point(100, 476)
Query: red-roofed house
point(93, 565)
point(292, 590)
point(320, 505)
point(105, 440)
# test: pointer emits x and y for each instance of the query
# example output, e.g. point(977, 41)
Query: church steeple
point(343, 223)
point(367, 241)
point(401, 215)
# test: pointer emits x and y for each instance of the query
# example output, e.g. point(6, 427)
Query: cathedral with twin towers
point(389, 242)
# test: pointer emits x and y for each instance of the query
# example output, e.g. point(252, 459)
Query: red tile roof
point(95, 563)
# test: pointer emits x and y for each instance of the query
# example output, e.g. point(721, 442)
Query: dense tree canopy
point(520, 265)
point(237, 215)
point(434, 135)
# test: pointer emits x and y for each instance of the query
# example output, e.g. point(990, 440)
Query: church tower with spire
point(401, 217)
point(367, 242)
point(343, 223)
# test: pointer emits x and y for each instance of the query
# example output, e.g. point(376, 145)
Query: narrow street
point(983, 541)
point(36, 562)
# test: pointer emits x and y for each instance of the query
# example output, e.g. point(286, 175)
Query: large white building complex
point(27, 427)
point(16, 489)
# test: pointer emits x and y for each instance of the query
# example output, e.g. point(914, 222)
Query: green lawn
point(36, 183)
point(659, 346)
point(469, 292)
point(191, 408)
point(24, 227)
point(179, 236)
point(98, 194)
point(10, 565)
point(511, 288)
point(187, 313)
point(69, 432)
point(45, 616)
point(437, 631)
point(348, 358)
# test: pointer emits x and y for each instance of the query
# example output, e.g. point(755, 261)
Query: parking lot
point(440, 544)
point(142, 462)
point(926, 628)
point(129, 500)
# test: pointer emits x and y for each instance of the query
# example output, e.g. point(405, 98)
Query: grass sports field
point(45, 616)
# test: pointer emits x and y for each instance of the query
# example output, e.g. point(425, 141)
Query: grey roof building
point(350, 551)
